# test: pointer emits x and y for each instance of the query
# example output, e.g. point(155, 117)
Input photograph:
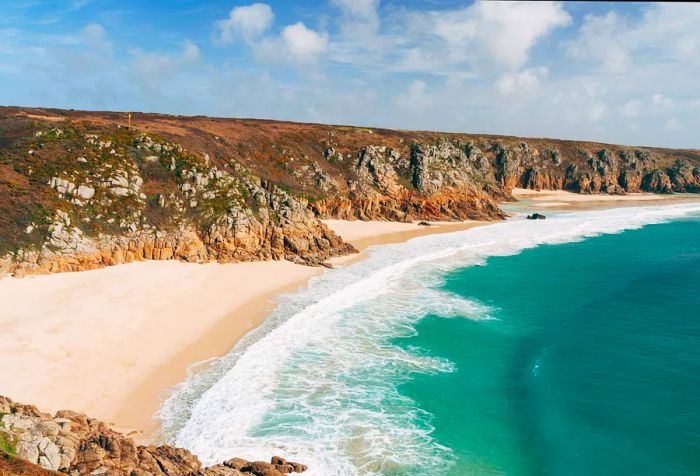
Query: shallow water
point(496, 350)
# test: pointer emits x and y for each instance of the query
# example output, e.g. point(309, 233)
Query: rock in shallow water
point(536, 216)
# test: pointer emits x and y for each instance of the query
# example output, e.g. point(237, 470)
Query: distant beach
point(563, 200)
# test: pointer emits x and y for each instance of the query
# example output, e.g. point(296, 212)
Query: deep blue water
point(590, 367)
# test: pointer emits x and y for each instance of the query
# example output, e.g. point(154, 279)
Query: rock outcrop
point(36, 443)
point(79, 191)
point(434, 182)
point(536, 216)
point(122, 203)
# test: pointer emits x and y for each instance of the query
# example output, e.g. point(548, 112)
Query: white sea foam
point(318, 382)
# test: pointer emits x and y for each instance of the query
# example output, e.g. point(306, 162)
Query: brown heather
point(78, 190)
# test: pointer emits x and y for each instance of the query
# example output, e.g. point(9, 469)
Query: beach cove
point(112, 342)
point(373, 379)
point(131, 385)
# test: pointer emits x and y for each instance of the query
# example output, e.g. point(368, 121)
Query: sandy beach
point(363, 234)
point(112, 342)
point(107, 342)
point(563, 200)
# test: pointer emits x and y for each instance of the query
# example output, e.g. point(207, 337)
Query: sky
point(611, 72)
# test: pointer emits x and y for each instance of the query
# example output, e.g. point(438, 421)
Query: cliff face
point(78, 198)
point(36, 443)
point(78, 190)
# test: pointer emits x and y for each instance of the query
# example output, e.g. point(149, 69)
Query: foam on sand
point(319, 381)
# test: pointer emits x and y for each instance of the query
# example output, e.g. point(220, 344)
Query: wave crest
point(319, 380)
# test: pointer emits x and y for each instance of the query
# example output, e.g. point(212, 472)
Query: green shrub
point(8, 443)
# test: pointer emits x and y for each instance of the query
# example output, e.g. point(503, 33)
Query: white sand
point(561, 200)
point(558, 197)
point(90, 341)
point(111, 342)
point(363, 234)
point(357, 230)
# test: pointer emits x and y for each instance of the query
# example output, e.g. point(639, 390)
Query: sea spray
point(319, 381)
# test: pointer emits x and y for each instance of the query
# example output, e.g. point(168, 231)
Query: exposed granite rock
point(13, 466)
point(201, 212)
point(685, 177)
point(631, 180)
point(90, 193)
point(657, 181)
point(71, 443)
point(437, 182)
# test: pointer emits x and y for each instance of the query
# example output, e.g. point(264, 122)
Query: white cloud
point(664, 34)
point(598, 40)
point(648, 65)
point(95, 36)
point(687, 45)
point(622, 78)
point(415, 97)
point(296, 45)
point(190, 51)
point(510, 29)
point(154, 72)
point(596, 111)
point(654, 105)
point(631, 108)
point(456, 30)
point(521, 82)
point(357, 38)
point(485, 35)
point(360, 8)
point(661, 102)
point(303, 44)
point(248, 22)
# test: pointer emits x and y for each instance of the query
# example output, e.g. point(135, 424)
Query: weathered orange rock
point(87, 446)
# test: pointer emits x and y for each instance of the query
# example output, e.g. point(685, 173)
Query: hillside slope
point(80, 190)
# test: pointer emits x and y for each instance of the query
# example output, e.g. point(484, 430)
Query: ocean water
point(567, 346)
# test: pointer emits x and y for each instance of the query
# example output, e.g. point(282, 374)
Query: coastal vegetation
point(8, 443)
point(81, 190)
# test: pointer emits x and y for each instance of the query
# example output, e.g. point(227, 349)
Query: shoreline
point(217, 340)
point(105, 325)
point(561, 200)
point(365, 234)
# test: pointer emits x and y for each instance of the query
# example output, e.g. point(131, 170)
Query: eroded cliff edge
point(79, 190)
point(36, 443)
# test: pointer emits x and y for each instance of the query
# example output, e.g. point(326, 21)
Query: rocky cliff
point(35, 443)
point(80, 190)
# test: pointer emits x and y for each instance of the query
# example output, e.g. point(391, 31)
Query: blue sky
point(623, 73)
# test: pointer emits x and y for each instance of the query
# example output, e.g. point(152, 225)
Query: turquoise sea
point(569, 346)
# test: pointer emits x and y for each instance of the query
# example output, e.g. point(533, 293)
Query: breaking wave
point(319, 381)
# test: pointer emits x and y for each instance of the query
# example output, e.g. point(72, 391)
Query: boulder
point(86, 192)
point(536, 216)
